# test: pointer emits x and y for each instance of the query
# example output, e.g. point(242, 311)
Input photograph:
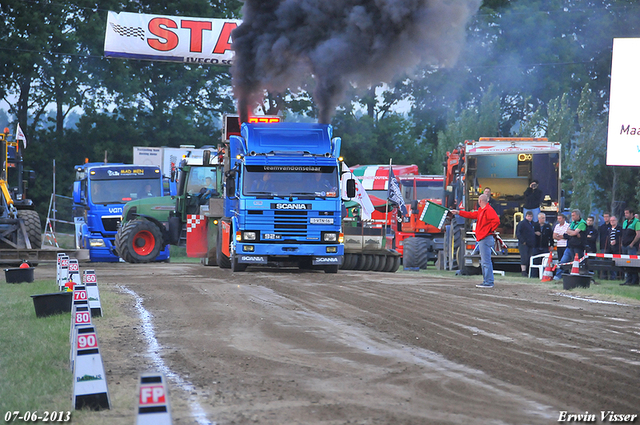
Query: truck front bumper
point(265, 253)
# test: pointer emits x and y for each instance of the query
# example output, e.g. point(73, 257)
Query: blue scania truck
point(99, 194)
point(282, 201)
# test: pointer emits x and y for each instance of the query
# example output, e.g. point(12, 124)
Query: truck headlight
point(330, 237)
point(94, 243)
point(249, 236)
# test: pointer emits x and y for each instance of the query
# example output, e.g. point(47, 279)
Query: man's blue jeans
point(484, 246)
point(569, 255)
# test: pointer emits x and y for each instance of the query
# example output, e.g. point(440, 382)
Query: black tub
point(570, 281)
point(56, 303)
point(18, 275)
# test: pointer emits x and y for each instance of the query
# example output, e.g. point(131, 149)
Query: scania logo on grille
point(252, 259)
point(326, 260)
point(291, 206)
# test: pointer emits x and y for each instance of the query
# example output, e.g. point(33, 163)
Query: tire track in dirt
point(529, 358)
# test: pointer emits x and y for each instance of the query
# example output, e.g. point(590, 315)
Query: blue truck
point(99, 194)
point(282, 200)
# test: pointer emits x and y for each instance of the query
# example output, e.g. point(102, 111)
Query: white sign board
point(169, 38)
point(623, 141)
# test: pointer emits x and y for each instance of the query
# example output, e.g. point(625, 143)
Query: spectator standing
point(603, 230)
point(559, 230)
point(544, 235)
point(487, 222)
point(492, 202)
point(630, 238)
point(526, 241)
point(613, 243)
point(532, 199)
point(576, 240)
point(592, 235)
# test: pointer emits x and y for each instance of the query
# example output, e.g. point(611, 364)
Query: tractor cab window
point(202, 178)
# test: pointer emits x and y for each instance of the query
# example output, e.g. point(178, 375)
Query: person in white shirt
point(559, 230)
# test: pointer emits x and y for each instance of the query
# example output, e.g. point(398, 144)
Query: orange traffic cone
point(547, 275)
point(575, 268)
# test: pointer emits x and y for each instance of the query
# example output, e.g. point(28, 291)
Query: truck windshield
point(291, 181)
point(201, 177)
point(122, 191)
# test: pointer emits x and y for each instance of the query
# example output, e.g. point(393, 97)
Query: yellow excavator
point(20, 227)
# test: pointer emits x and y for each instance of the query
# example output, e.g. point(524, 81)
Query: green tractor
point(149, 225)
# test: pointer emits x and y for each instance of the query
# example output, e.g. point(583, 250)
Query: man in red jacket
point(487, 222)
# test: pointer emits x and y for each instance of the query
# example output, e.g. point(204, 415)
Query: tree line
point(528, 68)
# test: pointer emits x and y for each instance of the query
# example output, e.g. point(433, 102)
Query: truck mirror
point(414, 206)
point(351, 188)
point(77, 193)
point(206, 157)
point(231, 187)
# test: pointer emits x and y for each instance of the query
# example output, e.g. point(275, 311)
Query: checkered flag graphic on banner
point(128, 31)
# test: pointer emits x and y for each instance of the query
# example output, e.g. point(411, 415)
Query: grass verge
point(34, 352)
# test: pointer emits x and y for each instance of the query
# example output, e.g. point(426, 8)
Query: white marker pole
point(89, 380)
point(90, 281)
point(64, 272)
point(154, 407)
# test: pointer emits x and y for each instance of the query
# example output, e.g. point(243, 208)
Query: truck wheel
point(222, 260)
point(235, 266)
point(331, 269)
point(32, 225)
point(414, 254)
point(139, 241)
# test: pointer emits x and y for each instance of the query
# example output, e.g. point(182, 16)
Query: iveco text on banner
point(169, 38)
point(623, 141)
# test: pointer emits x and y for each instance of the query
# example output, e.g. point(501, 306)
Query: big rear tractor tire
point(139, 241)
point(33, 227)
point(415, 254)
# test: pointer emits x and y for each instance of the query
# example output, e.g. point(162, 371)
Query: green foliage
point(475, 121)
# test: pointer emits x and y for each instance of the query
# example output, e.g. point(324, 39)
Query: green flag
point(434, 214)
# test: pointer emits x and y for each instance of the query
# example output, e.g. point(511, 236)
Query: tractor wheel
point(414, 254)
point(139, 241)
point(33, 227)
point(222, 260)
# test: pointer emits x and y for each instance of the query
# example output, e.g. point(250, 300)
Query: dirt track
point(290, 347)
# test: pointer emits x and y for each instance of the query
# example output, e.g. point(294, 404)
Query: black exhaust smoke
point(363, 42)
